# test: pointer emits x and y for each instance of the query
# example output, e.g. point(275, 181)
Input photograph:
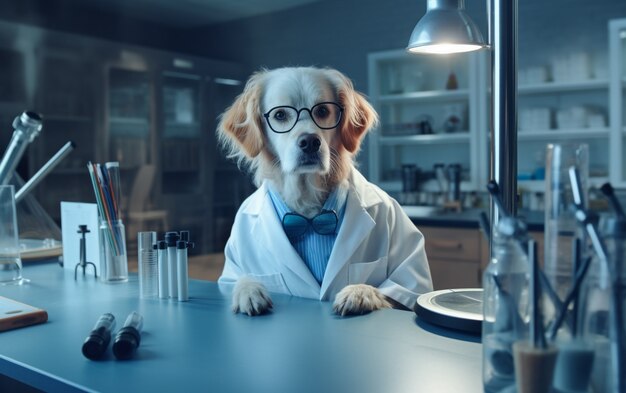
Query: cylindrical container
point(561, 227)
point(147, 264)
point(164, 291)
point(128, 338)
point(10, 260)
point(171, 238)
point(454, 182)
point(505, 309)
point(98, 340)
point(183, 274)
point(603, 316)
point(593, 322)
point(113, 259)
point(409, 178)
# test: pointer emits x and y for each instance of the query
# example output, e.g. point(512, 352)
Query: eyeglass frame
point(298, 111)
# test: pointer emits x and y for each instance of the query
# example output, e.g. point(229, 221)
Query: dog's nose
point(309, 143)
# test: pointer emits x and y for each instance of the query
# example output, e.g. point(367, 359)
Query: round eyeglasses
point(325, 115)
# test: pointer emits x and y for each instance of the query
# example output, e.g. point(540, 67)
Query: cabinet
point(455, 256)
point(429, 110)
point(570, 100)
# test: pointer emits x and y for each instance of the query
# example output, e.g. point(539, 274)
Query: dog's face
point(300, 120)
point(301, 98)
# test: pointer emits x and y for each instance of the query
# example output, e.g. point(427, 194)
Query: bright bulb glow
point(443, 49)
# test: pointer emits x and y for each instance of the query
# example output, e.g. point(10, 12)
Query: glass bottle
point(505, 308)
point(113, 257)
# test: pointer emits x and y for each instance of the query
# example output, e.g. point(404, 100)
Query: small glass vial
point(113, 257)
point(147, 264)
point(505, 307)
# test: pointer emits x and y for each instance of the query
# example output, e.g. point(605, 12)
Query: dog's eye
point(280, 115)
point(321, 112)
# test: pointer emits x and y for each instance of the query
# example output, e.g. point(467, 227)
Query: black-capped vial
point(128, 338)
point(98, 340)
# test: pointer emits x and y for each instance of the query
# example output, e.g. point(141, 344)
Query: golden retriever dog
point(314, 227)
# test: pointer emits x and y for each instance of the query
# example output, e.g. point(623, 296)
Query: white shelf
point(558, 87)
point(557, 134)
point(443, 95)
point(457, 137)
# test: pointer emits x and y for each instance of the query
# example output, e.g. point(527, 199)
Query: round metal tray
point(459, 309)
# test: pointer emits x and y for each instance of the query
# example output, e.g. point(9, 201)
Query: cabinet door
point(454, 256)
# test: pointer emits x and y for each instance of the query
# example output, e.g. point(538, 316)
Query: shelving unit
point(409, 90)
point(398, 140)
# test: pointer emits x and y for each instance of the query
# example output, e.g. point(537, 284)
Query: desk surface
point(202, 346)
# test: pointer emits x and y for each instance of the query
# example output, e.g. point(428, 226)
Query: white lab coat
point(377, 244)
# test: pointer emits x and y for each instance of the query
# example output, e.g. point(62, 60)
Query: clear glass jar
point(506, 311)
point(602, 301)
point(113, 258)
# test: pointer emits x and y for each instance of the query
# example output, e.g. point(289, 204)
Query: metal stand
point(82, 229)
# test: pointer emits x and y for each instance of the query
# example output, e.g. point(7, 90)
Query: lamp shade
point(445, 28)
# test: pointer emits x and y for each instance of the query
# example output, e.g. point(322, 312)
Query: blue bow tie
point(296, 225)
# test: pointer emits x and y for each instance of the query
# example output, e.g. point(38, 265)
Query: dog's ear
point(240, 127)
point(358, 115)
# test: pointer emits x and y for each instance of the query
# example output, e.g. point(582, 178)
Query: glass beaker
point(561, 227)
point(113, 258)
point(10, 260)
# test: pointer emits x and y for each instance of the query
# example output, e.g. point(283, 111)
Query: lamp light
point(445, 28)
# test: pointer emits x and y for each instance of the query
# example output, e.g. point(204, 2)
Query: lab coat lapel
point(267, 232)
point(356, 226)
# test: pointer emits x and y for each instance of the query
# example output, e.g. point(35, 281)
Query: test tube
point(163, 269)
point(171, 238)
point(98, 340)
point(128, 338)
point(148, 265)
point(183, 274)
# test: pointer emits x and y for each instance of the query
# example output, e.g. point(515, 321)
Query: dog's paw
point(359, 299)
point(250, 297)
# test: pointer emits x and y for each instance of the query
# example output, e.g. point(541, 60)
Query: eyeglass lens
point(325, 115)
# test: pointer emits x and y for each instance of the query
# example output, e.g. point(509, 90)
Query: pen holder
point(113, 259)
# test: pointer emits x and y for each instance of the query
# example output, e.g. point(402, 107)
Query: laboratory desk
point(201, 345)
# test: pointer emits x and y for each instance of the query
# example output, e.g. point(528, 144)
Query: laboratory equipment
point(128, 338)
point(182, 263)
point(98, 340)
point(163, 266)
point(10, 260)
point(171, 238)
point(506, 302)
point(82, 229)
point(610, 253)
point(147, 265)
point(27, 127)
point(113, 258)
point(44, 170)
